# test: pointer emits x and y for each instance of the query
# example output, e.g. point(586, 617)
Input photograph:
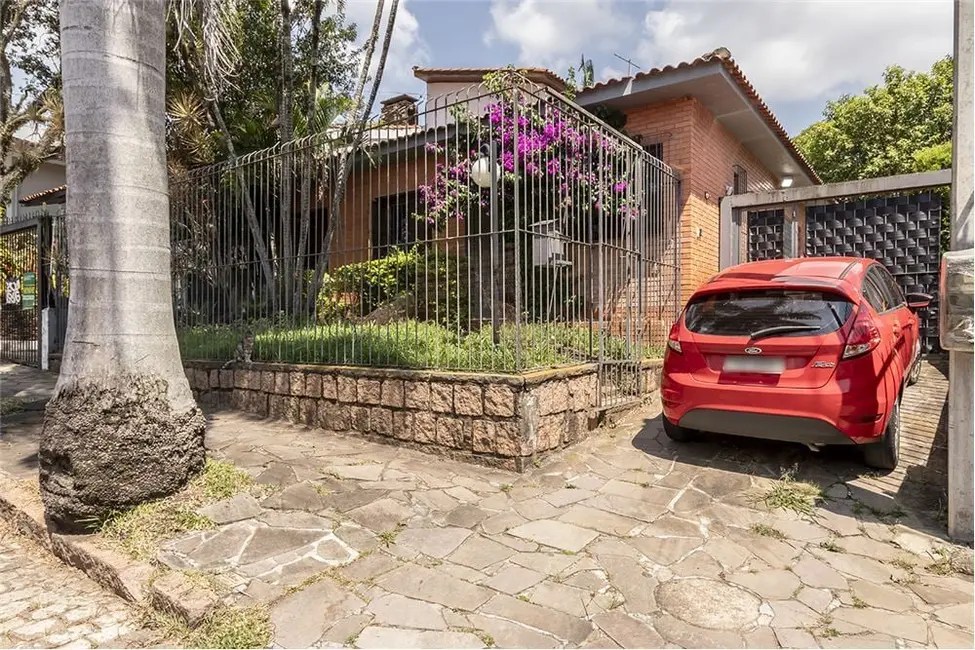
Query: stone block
point(392, 393)
point(277, 407)
point(417, 395)
point(346, 387)
point(550, 428)
point(652, 376)
point(403, 425)
point(313, 385)
point(309, 411)
point(553, 397)
point(226, 379)
point(424, 427)
point(442, 397)
point(256, 403)
point(237, 396)
point(282, 383)
point(483, 435)
point(297, 383)
point(509, 440)
point(468, 399)
point(202, 380)
point(368, 391)
point(381, 421)
point(576, 426)
point(241, 378)
point(329, 389)
point(267, 381)
point(450, 432)
point(582, 393)
point(359, 417)
point(499, 400)
point(214, 379)
point(334, 416)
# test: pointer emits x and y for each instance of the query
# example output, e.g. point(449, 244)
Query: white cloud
point(802, 50)
point(407, 47)
point(554, 34)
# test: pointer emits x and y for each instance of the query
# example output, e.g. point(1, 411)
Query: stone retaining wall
point(499, 420)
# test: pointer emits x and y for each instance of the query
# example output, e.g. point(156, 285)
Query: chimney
point(399, 111)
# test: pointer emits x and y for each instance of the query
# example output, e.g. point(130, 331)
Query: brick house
point(702, 118)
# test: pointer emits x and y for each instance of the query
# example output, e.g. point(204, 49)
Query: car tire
point(678, 433)
point(885, 453)
point(915, 374)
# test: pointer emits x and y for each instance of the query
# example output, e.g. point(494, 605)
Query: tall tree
point(29, 46)
point(122, 426)
point(901, 126)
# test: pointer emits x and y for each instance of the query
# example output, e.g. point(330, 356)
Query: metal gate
point(638, 280)
point(33, 262)
point(901, 232)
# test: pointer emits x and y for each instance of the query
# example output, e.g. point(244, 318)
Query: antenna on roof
point(629, 64)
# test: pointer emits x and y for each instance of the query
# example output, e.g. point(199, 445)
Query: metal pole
point(495, 249)
point(960, 366)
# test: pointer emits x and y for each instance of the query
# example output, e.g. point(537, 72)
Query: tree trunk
point(122, 427)
point(308, 155)
point(285, 134)
point(360, 117)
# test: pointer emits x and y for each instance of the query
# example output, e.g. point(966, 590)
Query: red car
point(813, 350)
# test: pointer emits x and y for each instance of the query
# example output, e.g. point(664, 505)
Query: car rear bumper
point(825, 416)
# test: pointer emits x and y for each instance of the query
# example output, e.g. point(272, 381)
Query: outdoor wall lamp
point(485, 173)
point(785, 182)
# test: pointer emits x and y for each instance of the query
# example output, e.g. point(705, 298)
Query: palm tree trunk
point(122, 427)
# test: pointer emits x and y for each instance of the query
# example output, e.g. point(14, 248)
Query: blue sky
point(797, 53)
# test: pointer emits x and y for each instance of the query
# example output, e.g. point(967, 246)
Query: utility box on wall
point(957, 322)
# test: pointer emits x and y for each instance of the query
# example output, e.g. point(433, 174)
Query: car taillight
point(864, 335)
point(672, 341)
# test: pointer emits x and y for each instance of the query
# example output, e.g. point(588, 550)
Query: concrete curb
point(166, 591)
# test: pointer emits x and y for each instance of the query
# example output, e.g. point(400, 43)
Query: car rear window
point(743, 313)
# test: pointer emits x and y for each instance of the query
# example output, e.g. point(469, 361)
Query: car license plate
point(765, 365)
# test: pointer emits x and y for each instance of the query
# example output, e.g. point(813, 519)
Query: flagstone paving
point(624, 540)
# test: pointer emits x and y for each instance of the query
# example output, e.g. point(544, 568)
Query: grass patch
point(10, 405)
point(388, 537)
point(767, 531)
point(225, 627)
point(829, 633)
point(944, 562)
point(859, 603)
point(789, 494)
point(350, 640)
point(140, 530)
point(507, 487)
point(409, 344)
point(831, 546)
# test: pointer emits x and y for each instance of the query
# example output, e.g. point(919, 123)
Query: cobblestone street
point(44, 604)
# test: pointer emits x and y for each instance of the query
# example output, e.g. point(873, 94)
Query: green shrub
point(434, 280)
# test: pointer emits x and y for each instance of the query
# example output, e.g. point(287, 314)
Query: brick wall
point(704, 152)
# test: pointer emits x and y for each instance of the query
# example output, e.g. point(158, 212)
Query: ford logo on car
point(753, 350)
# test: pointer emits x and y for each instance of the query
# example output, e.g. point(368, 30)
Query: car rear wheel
point(678, 433)
point(915, 373)
point(885, 453)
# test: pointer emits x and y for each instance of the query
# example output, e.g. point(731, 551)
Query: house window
point(656, 150)
point(393, 223)
point(740, 182)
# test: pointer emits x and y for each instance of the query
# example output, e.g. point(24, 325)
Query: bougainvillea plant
point(558, 161)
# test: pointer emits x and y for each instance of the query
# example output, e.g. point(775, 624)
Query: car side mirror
point(916, 301)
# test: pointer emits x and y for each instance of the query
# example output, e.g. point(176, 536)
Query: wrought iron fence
point(499, 228)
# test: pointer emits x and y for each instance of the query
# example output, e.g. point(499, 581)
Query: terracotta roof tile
point(477, 73)
point(723, 56)
point(43, 193)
